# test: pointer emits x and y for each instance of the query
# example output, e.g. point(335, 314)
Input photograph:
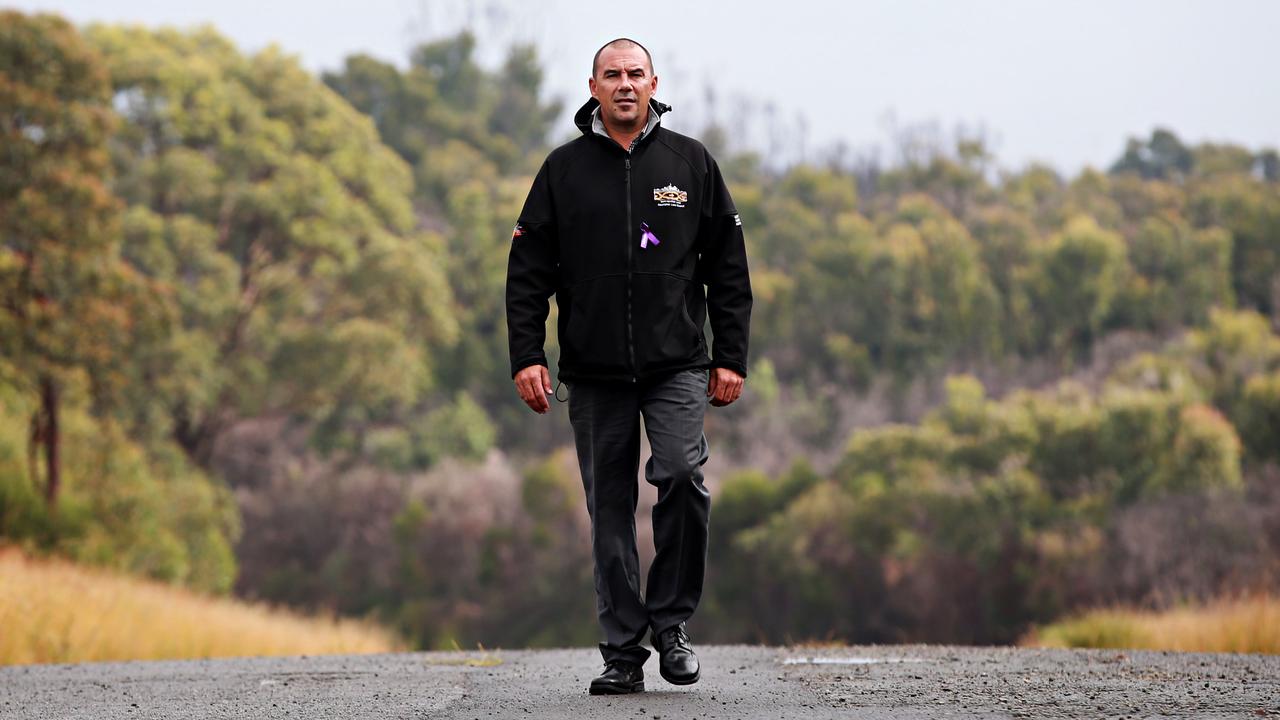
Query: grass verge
point(1245, 625)
point(54, 611)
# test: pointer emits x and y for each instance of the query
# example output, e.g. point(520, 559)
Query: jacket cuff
point(731, 365)
point(519, 365)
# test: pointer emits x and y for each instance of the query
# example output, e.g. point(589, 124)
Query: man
point(625, 225)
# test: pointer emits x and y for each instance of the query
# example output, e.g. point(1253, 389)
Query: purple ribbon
point(647, 237)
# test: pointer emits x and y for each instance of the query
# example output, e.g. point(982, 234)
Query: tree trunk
point(49, 407)
point(35, 441)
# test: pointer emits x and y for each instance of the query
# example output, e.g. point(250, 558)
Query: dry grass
point(1244, 625)
point(53, 611)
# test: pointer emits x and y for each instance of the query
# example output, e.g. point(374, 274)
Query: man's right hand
point(534, 385)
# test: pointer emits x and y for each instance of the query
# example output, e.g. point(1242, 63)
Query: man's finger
point(529, 393)
point(539, 397)
point(712, 383)
point(731, 392)
point(722, 392)
point(546, 378)
point(719, 399)
point(544, 402)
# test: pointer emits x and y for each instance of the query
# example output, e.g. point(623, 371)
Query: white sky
point(1065, 82)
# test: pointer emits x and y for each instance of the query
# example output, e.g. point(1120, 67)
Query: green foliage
point(69, 304)
point(1250, 211)
point(451, 120)
point(80, 326)
point(1229, 350)
point(1163, 156)
point(1205, 454)
point(144, 510)
point(977, 504)
point(460, 429)
point(1097, 630)
point(1260, 416)
point(1179, 274)
point(285, 231)
point(472, 138)
point(1078, 279)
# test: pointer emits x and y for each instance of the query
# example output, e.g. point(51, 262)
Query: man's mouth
point(625, 101)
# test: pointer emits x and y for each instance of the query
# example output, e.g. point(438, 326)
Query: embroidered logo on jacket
point(517, 232)
point(670, 196)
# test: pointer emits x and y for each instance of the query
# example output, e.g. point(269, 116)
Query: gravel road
point(904, 681)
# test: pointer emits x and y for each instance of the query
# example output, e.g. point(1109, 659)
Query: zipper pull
point(628, 162)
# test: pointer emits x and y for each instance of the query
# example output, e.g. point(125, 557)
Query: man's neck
point(626, 136)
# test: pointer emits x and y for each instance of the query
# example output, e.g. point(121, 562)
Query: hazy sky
point(1060, 82)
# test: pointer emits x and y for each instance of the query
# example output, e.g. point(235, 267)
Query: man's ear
point(653, 85)
point(591, 85)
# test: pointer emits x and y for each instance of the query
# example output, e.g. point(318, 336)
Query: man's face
point(623, 84)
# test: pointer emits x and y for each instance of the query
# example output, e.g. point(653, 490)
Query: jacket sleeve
point(532, 273)
point(722, 266)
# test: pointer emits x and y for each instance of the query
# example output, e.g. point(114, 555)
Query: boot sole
point(681, 681)
point(617, 690)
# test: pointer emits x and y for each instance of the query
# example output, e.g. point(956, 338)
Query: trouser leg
point(673, 410)
point(606, 429)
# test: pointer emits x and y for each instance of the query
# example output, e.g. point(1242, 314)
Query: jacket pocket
point(665, 334)
point(593, 338)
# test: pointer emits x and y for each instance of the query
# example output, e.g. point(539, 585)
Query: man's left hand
point(724, 386)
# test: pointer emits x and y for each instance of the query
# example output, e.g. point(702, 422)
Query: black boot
point(676, 662)
point(619, 677)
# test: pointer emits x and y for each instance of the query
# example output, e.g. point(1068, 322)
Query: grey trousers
point(606, 428)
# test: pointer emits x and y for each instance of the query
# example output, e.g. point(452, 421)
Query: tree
point(284, 227)
point(1163, 156)
point(70, 306)
point(1260, 416)
point(1180, 274)
point(1250, 210)
point(1079, 275)
point(451, 120)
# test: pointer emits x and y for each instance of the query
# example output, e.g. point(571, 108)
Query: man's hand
point(724, 386)
point(534, 385)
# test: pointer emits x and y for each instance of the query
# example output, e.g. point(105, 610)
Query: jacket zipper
point(631, 349)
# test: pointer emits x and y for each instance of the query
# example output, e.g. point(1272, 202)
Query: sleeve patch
point(517, 232)
point(737, 220)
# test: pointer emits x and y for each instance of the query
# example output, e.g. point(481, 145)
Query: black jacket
point(629, 310)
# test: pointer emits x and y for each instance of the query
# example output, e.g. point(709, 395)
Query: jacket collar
point(589, 123)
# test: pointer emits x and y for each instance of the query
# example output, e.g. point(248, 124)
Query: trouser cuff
point(637, 655)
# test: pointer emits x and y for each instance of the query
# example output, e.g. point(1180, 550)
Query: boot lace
point(676, 637)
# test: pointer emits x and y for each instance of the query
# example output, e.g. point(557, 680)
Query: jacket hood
point(582, 118)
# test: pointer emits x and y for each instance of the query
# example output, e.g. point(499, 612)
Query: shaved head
point(619, 43)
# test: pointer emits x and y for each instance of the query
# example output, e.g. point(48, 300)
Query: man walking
point(626, 225)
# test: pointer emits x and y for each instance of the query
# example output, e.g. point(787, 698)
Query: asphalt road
point(737, 682)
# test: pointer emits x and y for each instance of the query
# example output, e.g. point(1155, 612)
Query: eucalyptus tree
point(284, 228)
point(70, 310)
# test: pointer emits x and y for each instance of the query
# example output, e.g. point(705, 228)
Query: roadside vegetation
point(54, 611)
point(1240, 625)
